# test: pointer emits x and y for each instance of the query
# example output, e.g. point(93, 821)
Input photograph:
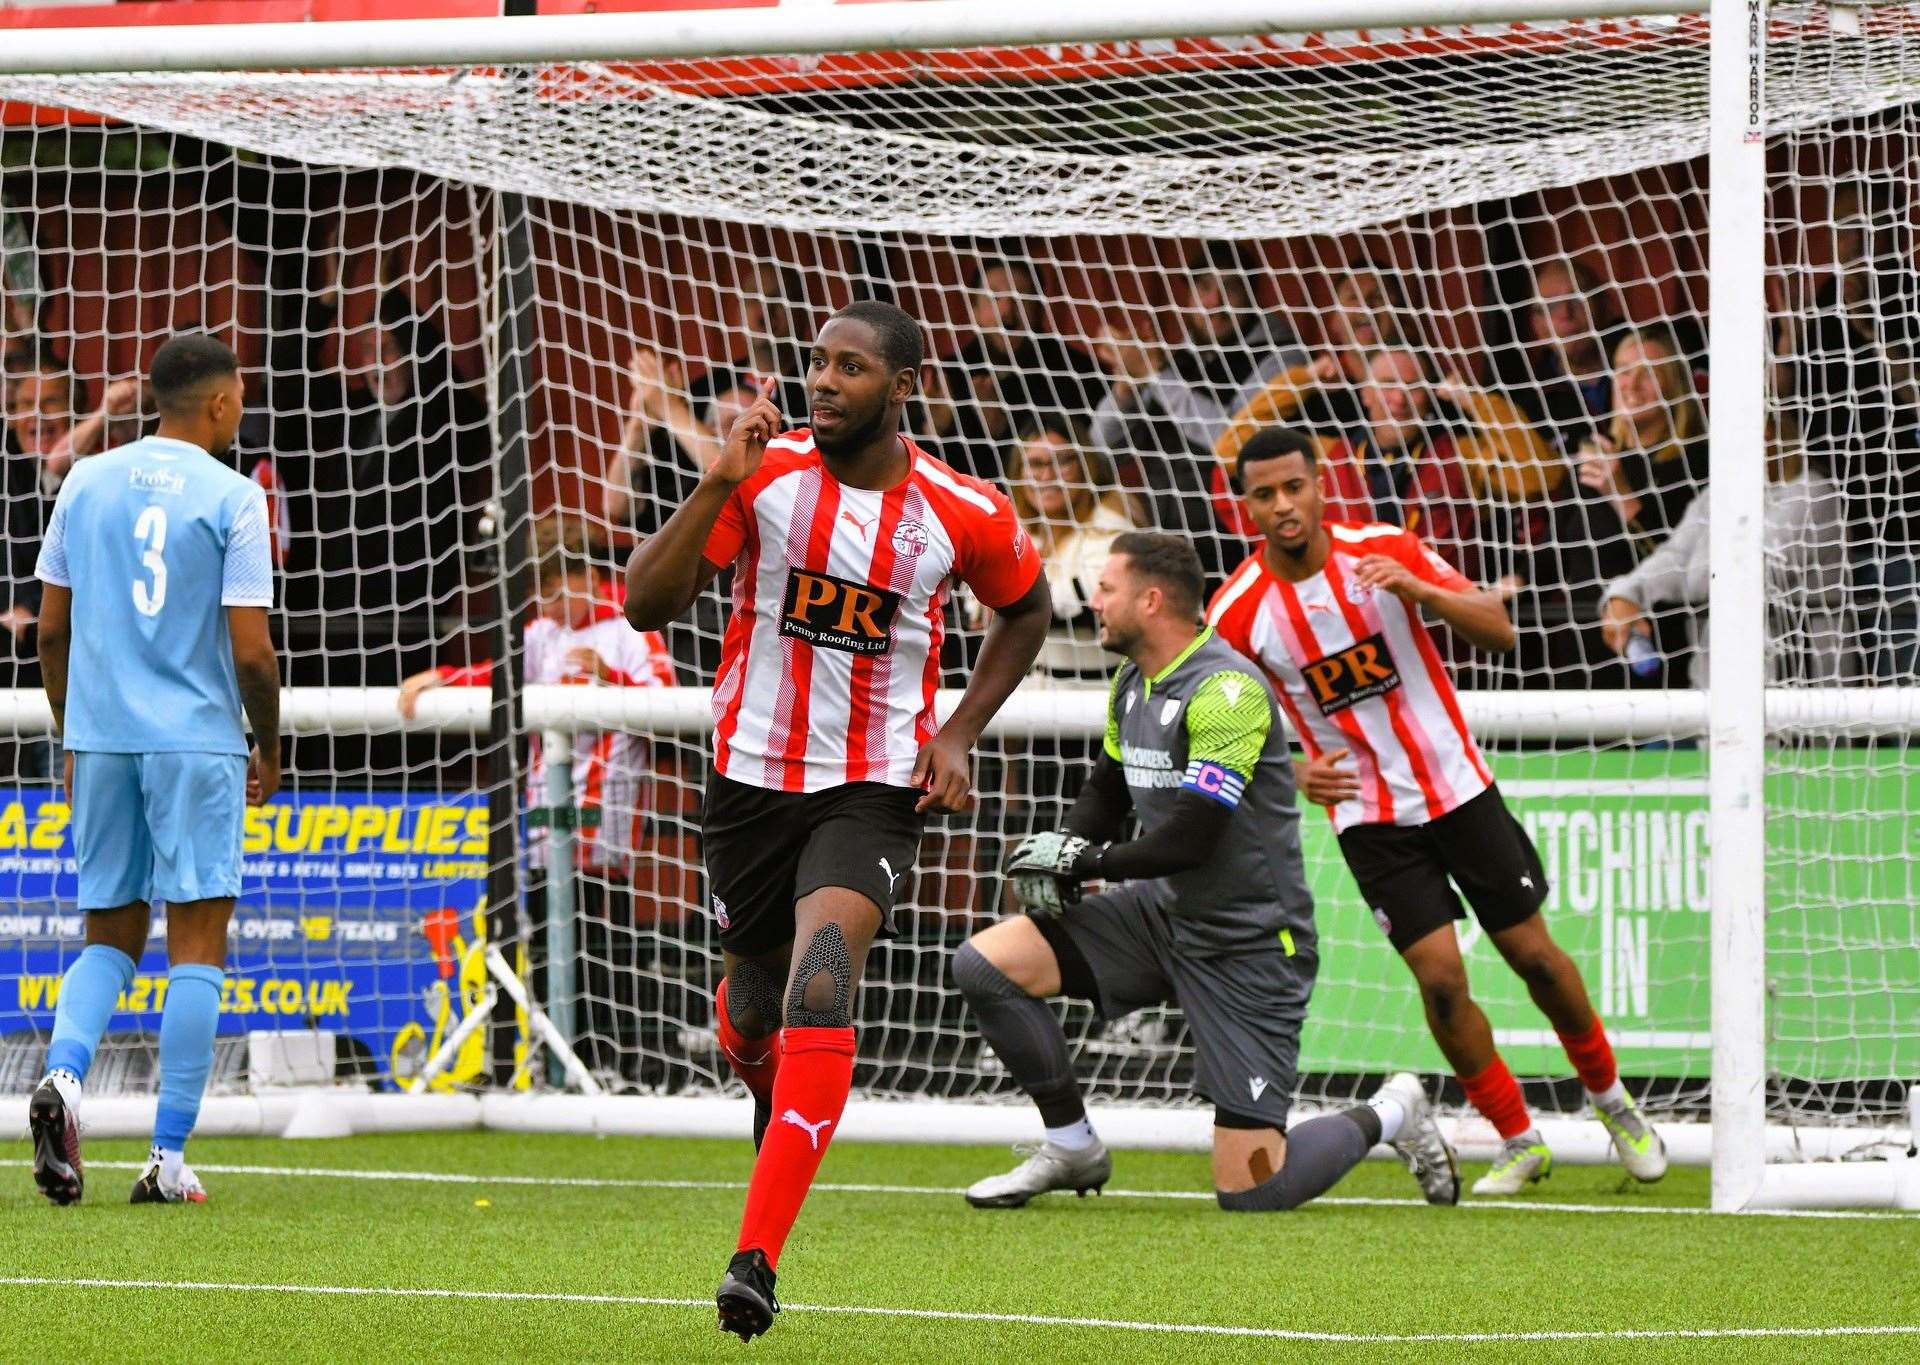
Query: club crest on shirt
point(1169, 709)
point(720, 913)
point(910, 538)
point(1358, 593)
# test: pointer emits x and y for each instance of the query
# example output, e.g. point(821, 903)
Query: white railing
point(1595, 717)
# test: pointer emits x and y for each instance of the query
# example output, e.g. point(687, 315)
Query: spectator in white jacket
point(1810, 627)
point(1065, 495)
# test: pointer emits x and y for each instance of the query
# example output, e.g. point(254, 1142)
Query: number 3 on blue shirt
point(151, 531)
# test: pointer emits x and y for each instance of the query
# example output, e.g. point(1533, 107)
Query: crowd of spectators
point(1846, 365)
point(1170, 395)
point(1569, 475)
point(1571, 480)
point(1810, 616)
point(372, 446)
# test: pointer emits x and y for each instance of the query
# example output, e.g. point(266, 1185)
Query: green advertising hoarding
point(1625, 839)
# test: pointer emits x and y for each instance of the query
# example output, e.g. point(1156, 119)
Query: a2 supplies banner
point(362, 915)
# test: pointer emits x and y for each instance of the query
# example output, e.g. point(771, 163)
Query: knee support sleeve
point(753, 1000)
point(822, 992)
point(979, 980)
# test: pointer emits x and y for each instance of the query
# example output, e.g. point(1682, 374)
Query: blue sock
point(187, 1024)
point(87, 995)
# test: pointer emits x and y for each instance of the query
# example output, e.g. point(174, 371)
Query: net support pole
point(556, 752)
point(1736, 721)
point(515, 304)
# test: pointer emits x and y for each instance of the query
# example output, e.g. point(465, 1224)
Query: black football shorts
point(1408, 872)
point(766, 849)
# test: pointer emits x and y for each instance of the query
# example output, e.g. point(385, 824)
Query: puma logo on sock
point(813, 1129)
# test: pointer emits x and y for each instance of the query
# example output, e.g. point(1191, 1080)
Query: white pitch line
point(957, 1315)
point(581, 1182)
point(943, 1191)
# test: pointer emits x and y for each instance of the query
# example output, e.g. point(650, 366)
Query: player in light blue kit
point(153, 633)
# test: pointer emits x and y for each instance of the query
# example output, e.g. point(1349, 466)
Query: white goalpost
point(1737, 734)
point(496, 283)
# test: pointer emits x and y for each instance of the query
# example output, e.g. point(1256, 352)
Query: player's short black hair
point(1270, 443)
point(900, 341)
point(1169, 562)
point(186, 362)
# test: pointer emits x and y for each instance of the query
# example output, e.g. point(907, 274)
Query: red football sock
point(1592, 1056)
point(816, 1071)
point(754, 1060)
point(1496, 1094)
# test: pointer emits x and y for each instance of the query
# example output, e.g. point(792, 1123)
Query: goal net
point(493, 319)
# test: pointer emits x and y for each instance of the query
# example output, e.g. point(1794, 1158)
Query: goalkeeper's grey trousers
point(1319, 1152)
point(1024, 1035)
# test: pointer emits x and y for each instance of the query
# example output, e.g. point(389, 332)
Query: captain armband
point(1215, 781)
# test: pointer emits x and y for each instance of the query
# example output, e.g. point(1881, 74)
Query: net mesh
point(1470, 262)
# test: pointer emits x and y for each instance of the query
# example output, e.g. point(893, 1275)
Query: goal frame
point(1736, 715)
point(786, 30)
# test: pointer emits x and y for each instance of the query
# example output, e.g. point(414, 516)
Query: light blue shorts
point(164, 827)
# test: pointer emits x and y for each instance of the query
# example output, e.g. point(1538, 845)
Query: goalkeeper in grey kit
point(1208, 908)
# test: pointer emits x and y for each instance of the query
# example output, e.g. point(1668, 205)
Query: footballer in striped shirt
point(1333, 612)
point(844, 538)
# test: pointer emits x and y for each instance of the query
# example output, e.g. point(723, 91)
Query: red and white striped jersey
point(610, 768)
point(267, 476)
point(832, 654)
point(1357, 670)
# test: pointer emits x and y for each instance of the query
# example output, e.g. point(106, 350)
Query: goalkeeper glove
point(1047, 870)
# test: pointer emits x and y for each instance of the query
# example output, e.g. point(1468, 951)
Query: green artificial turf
point(1368, 1269)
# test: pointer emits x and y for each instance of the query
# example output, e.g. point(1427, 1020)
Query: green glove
point(1043, 871)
